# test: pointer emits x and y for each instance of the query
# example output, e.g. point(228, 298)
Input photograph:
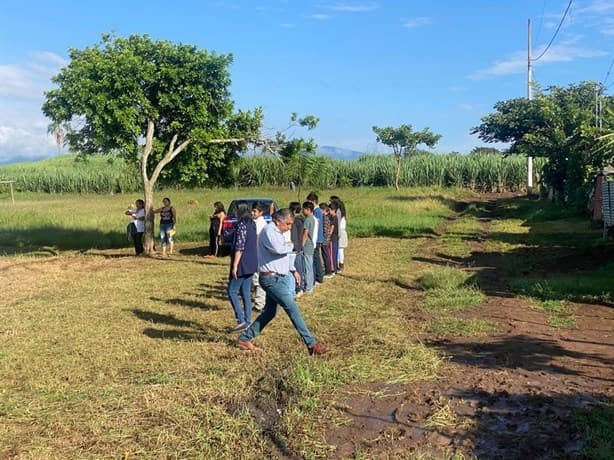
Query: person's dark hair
point(308, 205)
point(243, 211)
point(295, 207)
point(140, 201)
point(219, 207)
point(335, 199)
point(323, 206)
point(312, 197)
point(166, 199)
point(259, 206)
point(282, 215)
point(334, 205)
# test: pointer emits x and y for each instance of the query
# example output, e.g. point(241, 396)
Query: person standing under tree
point(275, 267)
point(168, 220)
point(138, 219)
point(215, 229)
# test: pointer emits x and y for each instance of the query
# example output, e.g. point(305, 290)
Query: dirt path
point(508, 395)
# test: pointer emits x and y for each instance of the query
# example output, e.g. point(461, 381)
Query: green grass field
point(104, 355)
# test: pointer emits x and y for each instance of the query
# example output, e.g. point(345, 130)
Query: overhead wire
point(556, 32)
point(607, 75)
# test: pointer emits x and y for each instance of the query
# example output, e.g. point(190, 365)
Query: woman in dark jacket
point(243, 265)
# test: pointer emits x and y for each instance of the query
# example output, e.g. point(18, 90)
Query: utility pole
point(529, 97)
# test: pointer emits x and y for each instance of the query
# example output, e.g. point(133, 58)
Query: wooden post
point(10, 182)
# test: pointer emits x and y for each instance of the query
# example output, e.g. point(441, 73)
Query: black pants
point(318, 270)
point(138, 243)
point(214, 242)
point(327, 256)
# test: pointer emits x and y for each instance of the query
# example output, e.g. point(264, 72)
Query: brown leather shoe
point(318, 349)
point(247, 346)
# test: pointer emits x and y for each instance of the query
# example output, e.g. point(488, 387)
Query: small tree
point(150, 101)
point(297, 153)
point(404, 143)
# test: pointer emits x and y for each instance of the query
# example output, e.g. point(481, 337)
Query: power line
point(555, 33)
point(605, 80)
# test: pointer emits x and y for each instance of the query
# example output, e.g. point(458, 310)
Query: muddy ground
point(509, 395)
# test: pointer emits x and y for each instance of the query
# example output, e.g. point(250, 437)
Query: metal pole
point(529, 97)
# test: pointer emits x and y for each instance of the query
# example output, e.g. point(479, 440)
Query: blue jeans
point(277, 288)
point(308, 273)
point(242, 285)
point(164, 236)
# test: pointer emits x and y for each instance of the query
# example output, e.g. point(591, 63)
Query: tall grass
point(109, 174)
point(68, 174)
point(490, 173)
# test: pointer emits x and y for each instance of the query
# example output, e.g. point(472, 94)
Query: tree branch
point(171, 154)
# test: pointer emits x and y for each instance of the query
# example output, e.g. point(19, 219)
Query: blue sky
point(441, 64)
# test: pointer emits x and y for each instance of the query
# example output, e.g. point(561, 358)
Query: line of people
point(284, 260)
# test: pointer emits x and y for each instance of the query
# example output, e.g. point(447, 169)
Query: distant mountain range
point(338, 152)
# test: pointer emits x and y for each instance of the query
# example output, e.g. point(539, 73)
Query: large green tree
point(559, 124)
point(151, 101)
point(404, 142)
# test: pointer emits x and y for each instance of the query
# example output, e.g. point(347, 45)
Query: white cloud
point(30, 79)
point(417, 22)
point(320, 16)
point(23, 128)
point(353, 7)
point(25, 141)
point(517, 62)
point(598, 7)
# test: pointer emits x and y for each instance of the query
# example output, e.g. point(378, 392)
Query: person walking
point(215, 229)
point(168, 220)
point(275, 265)
point(243, 265)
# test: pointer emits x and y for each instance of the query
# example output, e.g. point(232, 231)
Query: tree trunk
point(398, 173)
point(148, 237)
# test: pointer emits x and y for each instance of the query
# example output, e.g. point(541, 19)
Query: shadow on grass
point(26, 240)
point(524, 352)
point(184, 330)
point(188, 303)
point(558, 258)
point(450, 203)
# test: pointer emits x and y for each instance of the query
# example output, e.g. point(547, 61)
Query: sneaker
point(298, 294)
point(248, 346)
point(317, 349)
point(329, 276)
point(239, 327)
point(258, 308)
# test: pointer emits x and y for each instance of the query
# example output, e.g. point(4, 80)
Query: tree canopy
point(149, 101)
point(559, 124)
point(404, 142)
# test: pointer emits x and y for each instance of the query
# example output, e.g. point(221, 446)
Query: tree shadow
point(522, 351)
point(60, 238)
